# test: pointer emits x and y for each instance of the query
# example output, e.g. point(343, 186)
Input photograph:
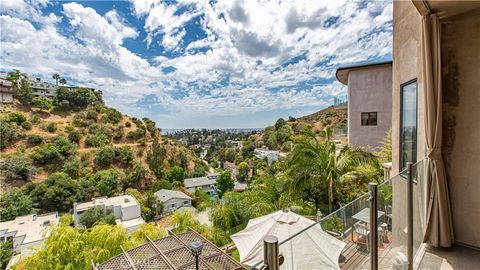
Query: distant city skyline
point(198, 64)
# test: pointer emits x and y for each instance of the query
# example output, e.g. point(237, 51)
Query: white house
point(27, 232)
point(6, 91)
point(126, 209)
point(42, 89)
point(271, 155)
point(205, 183)
point(173, 199)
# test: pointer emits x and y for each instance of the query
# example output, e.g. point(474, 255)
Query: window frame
point(402, 86)
point(367, 125)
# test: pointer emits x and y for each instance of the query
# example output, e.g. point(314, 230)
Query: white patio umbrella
point(312, 249)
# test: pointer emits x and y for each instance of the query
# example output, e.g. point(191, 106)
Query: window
point(408, 123)
point(369, 118)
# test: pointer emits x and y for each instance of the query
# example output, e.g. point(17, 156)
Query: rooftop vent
point(127, 200)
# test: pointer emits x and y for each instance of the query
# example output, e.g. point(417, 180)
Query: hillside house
point(205, 183)
point(173, 199)
point(6, 91)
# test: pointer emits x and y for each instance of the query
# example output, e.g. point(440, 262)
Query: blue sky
point(198, 63)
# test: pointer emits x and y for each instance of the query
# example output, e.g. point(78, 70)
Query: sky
point(198, 63)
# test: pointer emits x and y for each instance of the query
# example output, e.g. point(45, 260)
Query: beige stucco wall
point(369, 90)
point(461, 124)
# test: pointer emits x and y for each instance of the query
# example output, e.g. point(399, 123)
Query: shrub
point(35, 119)
point(96, 140)
point(26, 125)
point(42, 103)
point(50, 127)
point(15, 203)
point(80, 120)
point(72, 167)
point(124, 155)
point(46, 154)
point(118, 133)
point(74, 136)
point(161, 184)
point(106, 182)
point(34, 139)
point(65, 146)
point(16, 117)
point(150, 124)
point(17, 167)
point(105, 156)
point(97, 214)
point(76, 99)
point(8, 135)
point(112, 116)
point(136, 134)
point(128, 124)
point(134, 175)
point(92, 115)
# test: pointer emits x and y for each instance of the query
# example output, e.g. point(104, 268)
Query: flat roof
point(122, 200)
point(34, 227)
point(342, 72)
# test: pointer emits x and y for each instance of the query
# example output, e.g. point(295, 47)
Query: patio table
point(364, 216)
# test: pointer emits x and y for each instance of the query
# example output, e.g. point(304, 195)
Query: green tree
point(150, 230)
point(104, 156)
point(17, 167)
point(73, 167)
point(15, 203)
point(155, 158)
point(92, 216)
point(280, 123)
point(65, 146)
point(56, 77)
point(161, 184)
point(243, 170)
point(156, 206)
point(16, 117)
point(182, 220)
point(112, 116)
point(175, 174)
point(106, 182)
point(8, 135)
point(135, 173)
point(42, 103)
point(6, 252)
point(385, 150)
point(57, 193)
point(316, 165)
point(62, 81)
point(24, 93)
point(96, 140)
point(46, 154)
point(225, 183)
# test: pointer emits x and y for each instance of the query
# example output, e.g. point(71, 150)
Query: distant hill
point(279, 136)
point(88, 130)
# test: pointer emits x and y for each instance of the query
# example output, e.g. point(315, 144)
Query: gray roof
point(166, 194)
point(210, 179)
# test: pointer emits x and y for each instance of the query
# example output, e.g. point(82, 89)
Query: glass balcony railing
point(342, 238)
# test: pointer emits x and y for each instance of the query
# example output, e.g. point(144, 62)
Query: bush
point(17, 167)
point(80, 120)
point(35, 119)
point(136, 134)
point(96, 140)
point(105, 156)
point(76, 99)
point(73, 167)
point(16, 117)
point(112, 116)
point(124, 155)
point(15, 203)
point(34, 139)
point(134, 175)
point(74, 136)
point(46, 154)
point(65, 146)
point(97, 214)
point(128, 124)
point(8, 135)
point(26, 125)
point(161, 184)
point(50, 127)
point(92, 115)
point(106, 182)
point(118, 133)
point(42, 103)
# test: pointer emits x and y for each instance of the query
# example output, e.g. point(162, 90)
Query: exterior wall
point(369, 90)
point(461, 124)
point(407, 65)
point(175, 203)
point(6, 97)
point(130, 212)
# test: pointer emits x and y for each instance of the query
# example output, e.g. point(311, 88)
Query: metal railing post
point(271, 253)
point(410, 216)
point(372, 187)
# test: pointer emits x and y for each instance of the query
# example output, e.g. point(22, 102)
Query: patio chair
point(388, 214)
point(362, 232)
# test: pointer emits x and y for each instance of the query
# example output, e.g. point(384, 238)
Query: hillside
point(87, 132)
point(280, 134)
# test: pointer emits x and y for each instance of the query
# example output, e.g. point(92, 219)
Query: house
point(234, 144)
point(369, 102)
point(435, 120)
point(42, 89)
point(126, 209)
point(6, 91)
point(205, 183)
point(173, 199)
point(231, 167)
point(270, 155)
point(27, 232)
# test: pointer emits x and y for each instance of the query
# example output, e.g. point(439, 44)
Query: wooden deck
point(356, 255)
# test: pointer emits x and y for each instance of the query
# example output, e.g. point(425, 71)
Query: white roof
point(312, 249)
point(122, 200)
point(166, 194)
point(34, 227)
point(130, 223)
point(210, 179)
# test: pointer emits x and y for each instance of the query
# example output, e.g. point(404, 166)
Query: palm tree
point(56, 77)
point(315, 164)
point(62, 81)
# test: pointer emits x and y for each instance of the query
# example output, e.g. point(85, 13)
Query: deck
point(356, 256)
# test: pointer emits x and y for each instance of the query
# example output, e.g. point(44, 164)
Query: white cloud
point(243, 64)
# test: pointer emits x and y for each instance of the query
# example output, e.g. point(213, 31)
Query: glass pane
point(408, 124)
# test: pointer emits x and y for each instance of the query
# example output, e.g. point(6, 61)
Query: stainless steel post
point(410, 216)
point(372, 187)
point(270, 252)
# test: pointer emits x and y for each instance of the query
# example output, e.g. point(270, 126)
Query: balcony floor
point(356, 256)
point(457, 257)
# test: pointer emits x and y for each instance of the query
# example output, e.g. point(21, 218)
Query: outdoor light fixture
point(196, 249)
